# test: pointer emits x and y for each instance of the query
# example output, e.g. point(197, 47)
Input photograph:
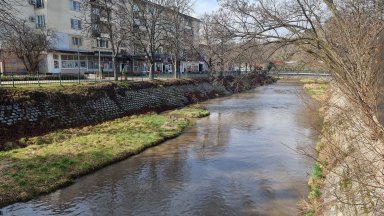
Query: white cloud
point(205, 6)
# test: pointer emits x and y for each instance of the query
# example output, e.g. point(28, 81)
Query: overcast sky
point(205, 6)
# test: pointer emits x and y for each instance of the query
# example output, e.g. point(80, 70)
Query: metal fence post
point(60, 77)
point(13, 80)
point(38, 78)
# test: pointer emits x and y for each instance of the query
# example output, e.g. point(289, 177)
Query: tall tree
point(146, 20)
point(7, 12)
point(179, 31)
point(105, 19)
point(343, 34)
point(347, 36)
point(216, 45)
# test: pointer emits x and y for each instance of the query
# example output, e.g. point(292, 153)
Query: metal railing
point(13, 79)
point(298, 73)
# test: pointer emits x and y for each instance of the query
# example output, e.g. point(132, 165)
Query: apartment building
point(77, 50)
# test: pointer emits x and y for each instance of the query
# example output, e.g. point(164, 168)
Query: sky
point(204, 6)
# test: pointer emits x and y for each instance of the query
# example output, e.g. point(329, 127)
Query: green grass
point(315, 88)
point(310, 213)
point(317, 171)
point(56, 159)
point(314, 192)
point(320, 146)
point(191, 112)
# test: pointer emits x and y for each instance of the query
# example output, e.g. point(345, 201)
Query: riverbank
point(27, 112)
point(56, 159)
point(61, 134)
point(346, 179)
point(352, 160)
point(319, 91)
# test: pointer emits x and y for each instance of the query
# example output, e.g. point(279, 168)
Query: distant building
point(74, 50)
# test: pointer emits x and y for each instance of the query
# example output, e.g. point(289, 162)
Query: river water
point(241, 160)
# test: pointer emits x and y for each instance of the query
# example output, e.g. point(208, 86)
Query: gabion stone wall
point(27, 117)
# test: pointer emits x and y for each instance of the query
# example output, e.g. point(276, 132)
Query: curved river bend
point(239, 161)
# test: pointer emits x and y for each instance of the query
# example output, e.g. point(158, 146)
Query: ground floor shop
point(89, 62)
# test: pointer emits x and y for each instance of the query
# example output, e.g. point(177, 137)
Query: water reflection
point(238, 161)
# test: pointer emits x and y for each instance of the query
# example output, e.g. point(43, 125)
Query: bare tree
point(179, 31)
point(6, 12)
point(342, 34)
point(146, 20)
point(27, 43)
point(347, 37)
point(105, 19)
point(216, 45)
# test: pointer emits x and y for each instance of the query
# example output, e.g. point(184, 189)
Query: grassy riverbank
point(56, 159)
point(318, 90)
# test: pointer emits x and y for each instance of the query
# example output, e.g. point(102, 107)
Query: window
point(39, 3)
point(72, 61)
point(56, 61)
point(136, 11)
point(75, 5)
point(40, 21)
point(135, 8)
point(96, 11)
point(76, 41)
point(75, 24)
point(102, 43)
point(56, 64)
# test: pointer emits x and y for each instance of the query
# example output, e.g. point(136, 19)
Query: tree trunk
point(175, 70)
point(114, 68)
point(178, 72)
point(152, 71)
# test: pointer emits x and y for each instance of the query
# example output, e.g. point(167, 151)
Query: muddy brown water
point(241, 160)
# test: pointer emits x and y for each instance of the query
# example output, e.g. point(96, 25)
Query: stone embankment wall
point(353, 160)
point(25, 113)
point(36, 112)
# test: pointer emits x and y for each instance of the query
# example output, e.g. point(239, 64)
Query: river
point(241, 160)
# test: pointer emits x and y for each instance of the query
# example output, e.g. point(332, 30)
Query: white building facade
point(76, 52)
